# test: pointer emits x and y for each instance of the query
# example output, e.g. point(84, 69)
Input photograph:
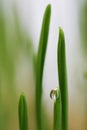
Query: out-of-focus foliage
point(14, 41)
point(83, 26)
point(83, 41)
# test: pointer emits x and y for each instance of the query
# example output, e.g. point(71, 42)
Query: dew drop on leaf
point(54, 94)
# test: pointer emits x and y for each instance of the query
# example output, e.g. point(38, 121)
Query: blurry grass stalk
point(40, 65)
point(23, 115)
point(13, 40)
point(83, 40)
point(83, 27)
point(63, 79)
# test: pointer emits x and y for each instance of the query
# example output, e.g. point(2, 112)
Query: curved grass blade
point(40, 63)
point(57, 112)
point(63, 79)
point(23, 115)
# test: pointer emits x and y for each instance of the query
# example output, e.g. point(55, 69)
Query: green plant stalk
point(63, 79)
point(40, 64)
point(82, 27)
point(57, 112)
point(23, 115)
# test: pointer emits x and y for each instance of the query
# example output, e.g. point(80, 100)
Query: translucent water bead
point(54, 94)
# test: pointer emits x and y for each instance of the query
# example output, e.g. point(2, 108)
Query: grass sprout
point(63, 78)
point(23, 114)
point(40, 64)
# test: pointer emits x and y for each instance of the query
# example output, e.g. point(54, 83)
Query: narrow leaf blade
point(63, 79)
point(57, 112)
point(40, 63)
point(23, 115)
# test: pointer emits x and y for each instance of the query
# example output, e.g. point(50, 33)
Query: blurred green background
point(19, 36)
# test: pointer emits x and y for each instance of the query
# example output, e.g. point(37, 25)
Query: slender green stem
point(63, 79)
point(23, 115)
point(57, 112)
point(40, 64)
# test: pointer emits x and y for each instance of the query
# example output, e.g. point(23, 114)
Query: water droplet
point(54, 94)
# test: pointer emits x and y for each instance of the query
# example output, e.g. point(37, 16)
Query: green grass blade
point(23, 115)
point(57, 112)
point(40, 63)
point(63, 79)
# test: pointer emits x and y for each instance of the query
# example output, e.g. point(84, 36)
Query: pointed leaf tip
point(23, 115)
point(48, 7)
point(61, 33)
